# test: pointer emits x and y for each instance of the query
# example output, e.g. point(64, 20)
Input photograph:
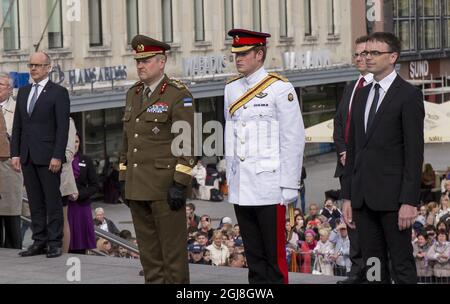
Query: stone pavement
point(109, 270)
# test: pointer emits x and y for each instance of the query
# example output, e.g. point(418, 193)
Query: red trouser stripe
point(281, 242)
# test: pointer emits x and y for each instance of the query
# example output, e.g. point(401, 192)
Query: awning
point(436, 126)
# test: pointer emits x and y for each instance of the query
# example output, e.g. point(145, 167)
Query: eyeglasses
point(35, 65)
point(356, 55)
point(374, 53)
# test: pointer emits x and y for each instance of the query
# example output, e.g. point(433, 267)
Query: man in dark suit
point(39, 139)
point(340, 136)
point(384, 160)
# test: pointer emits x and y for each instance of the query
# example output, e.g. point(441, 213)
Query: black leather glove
point(122, 194)
point(176, 197)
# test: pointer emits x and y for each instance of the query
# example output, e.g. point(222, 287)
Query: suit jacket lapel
point(42, 95)
point(390, 94)
point(154, 97)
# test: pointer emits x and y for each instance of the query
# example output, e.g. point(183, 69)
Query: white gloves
point(288, 196)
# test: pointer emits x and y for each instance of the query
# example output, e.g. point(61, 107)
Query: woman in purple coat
point(79, 212)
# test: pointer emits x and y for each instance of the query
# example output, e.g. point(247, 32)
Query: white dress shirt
point(368, 78)
point(40, 88)
point(385, 84)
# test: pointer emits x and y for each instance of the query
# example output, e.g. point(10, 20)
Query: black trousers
point(10, 229)
point(357, 269)
point(45, 203)
point(264, 237)
point(381, 238)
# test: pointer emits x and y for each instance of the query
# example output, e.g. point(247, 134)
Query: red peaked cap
point(245, 40)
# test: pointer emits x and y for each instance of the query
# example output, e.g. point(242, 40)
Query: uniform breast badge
point(261, 95)
point(155, 130)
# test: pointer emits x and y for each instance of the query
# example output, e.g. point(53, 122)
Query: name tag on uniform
point(158, 108)
point(82, 165)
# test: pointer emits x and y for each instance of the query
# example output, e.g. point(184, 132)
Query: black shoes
point(352, 280)
point(54, 252)
point(32, 251)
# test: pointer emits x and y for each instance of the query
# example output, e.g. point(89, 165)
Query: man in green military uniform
point(156, 175)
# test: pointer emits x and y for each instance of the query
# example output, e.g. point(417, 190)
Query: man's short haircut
point(7, 76)
point(390, 39)
point(262, 48)
point(362, 39)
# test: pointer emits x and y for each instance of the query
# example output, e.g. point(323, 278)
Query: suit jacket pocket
point(165, 163)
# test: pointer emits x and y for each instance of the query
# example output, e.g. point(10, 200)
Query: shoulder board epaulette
point(177, 83)
point(234, 78)
point(279, 77)
point(138, 86)
point(139, 83)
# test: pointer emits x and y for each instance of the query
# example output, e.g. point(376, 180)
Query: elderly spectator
point(219, 252)
point(342, 251)
point(313, 213)
point(79, 213)
point(105, 223)
point(323, 251)
point(226, 224)
point(306, 250)
point(439, 254)
point(420, 251)
point(331, 212)
point(11, 181)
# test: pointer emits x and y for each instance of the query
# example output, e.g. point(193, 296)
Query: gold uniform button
point(242, 142)
point(135, 165)
point(156, 119)
point(242, 158)
point(137, 119)
point(168, 166)
point(244, 124)
point(136, 135)
point(135, 150)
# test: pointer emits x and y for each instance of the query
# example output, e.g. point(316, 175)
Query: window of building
point(228, 15)
point(331, 18)
point(132, 19)
point(308, 27)
point(429, 24)
point(199, 14)
point(95, 23)
point(283, 19)
point(404, 19)
point(257, 15)
point(167, 20)
point(447, 23)
point(11, 30)
point(55, 31)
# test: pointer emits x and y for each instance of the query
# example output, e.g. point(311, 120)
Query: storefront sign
point(419, 69)
point(204, 65)
point(307, 60)
point(81, 77)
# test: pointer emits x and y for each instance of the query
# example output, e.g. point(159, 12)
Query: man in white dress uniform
point(265, 139)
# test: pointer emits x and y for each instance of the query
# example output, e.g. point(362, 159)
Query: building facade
point(89, 42)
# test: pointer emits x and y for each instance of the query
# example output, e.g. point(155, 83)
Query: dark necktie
point(373, 108)
point(349, 115)
point(33, 99)
point(147, 93)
